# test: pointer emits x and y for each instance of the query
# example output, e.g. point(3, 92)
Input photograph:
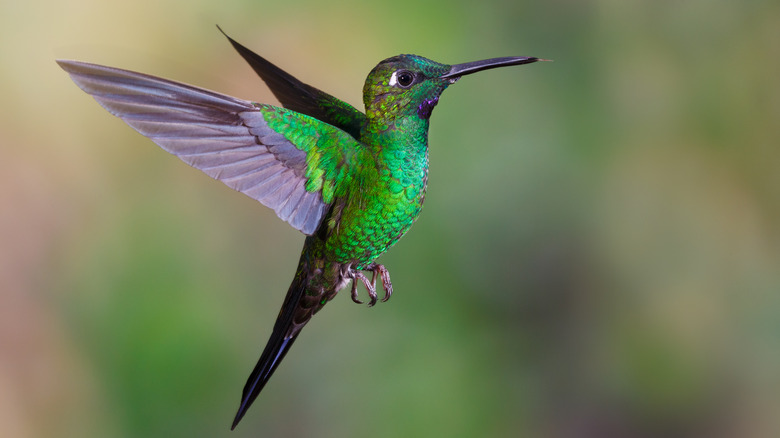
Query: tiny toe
point(355, 292)
point(372, 295)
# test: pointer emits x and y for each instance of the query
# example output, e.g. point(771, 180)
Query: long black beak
point(468, 68)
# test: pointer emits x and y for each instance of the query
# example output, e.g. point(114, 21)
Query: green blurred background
point(599, 255)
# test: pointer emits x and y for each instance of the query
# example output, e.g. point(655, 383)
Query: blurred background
point(599, 255)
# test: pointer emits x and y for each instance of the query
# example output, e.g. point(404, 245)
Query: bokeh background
point(599, 255)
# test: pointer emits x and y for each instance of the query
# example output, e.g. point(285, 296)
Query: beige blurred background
point(599, 255)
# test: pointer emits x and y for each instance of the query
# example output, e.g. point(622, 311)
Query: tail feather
point(285, 332)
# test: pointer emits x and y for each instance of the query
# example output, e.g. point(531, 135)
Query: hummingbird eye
point(403, 78)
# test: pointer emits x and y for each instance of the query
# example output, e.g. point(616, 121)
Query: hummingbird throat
point(426, 108)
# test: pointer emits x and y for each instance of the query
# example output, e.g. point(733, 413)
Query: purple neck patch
point(425, 108)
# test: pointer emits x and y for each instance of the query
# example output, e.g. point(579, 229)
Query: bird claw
point(354, 290)
point(384, 275)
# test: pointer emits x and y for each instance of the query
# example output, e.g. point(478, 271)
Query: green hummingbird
point(352, 182)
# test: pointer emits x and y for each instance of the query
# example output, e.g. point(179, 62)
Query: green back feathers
point(332, 155)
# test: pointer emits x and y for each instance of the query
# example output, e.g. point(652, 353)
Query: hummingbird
point(352, 182)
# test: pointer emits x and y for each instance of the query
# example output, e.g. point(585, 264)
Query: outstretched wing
point(287, 161)
point(300, 97)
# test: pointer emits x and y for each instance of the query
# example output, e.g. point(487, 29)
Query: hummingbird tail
point(288, 325)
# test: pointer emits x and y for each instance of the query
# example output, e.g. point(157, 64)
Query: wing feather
point(301, 97)
point(232, 140)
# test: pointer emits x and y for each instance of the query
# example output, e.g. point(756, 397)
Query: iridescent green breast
point(378, 213)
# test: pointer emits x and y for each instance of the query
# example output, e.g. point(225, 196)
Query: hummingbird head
point(403, 86)
point(410, 85)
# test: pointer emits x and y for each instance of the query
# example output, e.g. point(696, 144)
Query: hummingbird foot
point(370, 287)
point(384, 275)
